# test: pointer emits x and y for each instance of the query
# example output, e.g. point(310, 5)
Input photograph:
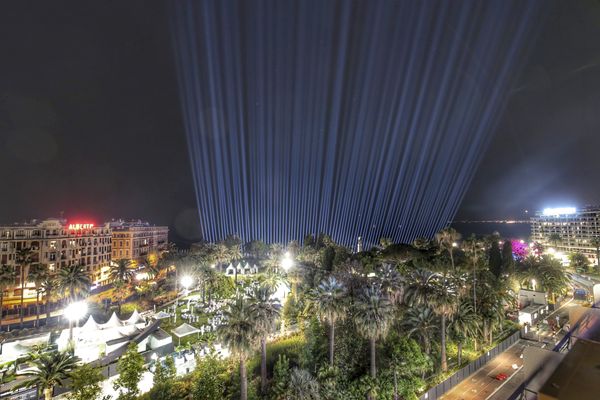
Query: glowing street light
point(74, 312)
point(187, 281)
point(287, 262)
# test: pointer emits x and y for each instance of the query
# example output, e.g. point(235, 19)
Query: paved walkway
point(482, 384)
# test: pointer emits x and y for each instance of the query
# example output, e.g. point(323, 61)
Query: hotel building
point(55, 244)
point(136, 240)
point(577, 229)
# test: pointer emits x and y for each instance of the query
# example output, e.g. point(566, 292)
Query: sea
point(505, 230)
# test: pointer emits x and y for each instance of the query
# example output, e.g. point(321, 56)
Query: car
point(501, 377)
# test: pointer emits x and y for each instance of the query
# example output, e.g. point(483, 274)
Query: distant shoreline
point(512, 229)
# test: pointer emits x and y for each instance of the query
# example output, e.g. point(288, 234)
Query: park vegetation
point(385, 323)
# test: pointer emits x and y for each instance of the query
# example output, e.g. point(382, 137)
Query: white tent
point(90, 325)
point(161, 315)
point(185, 330)
point(230, 270)
point(135, 318)
point(113, 322)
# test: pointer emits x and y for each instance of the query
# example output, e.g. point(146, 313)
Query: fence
point(463, 373)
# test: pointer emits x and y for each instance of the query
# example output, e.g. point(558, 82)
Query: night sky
point(91, 118)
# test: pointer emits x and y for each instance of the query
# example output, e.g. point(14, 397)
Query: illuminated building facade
point(568, 230)
point(136, 240)
point(55, 244)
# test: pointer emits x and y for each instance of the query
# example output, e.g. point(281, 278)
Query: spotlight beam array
point(345, 117)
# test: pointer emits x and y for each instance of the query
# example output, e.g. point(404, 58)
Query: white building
point(575, 228)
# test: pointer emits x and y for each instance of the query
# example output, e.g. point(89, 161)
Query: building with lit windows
point(568, 230)
point(55, 244)
point(136, 240)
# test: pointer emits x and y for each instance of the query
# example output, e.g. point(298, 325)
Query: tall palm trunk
point(427, 345)
point(47, 295)
point(263, 365)
point(459, 346)
point(331, 342)
point(21, 311)
point(443, 344)
point(373, 365)
point(48, 393)
point(243, 380)
point(37, 308)
point(485, 332)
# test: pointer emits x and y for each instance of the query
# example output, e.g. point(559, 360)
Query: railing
point(438, 390)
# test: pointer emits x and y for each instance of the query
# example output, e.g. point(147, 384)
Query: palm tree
point(444, 303)
point(302, 386)
point(472, 247)
point(48, 287)
point(265, 310)
point(464, 325)
point(329, 304)
point(121, 271)
point(447, 239)
point(373, 317)
point(422, 323)
point(37, 275)
point(152, 267)
point(554, 238)
point(24, 259)
point(444, 299)
point(7, 279)
point(420, 286)
point(551, 275)
point(50, 370)
point(72, 281)
point(239, 334)
point(491, 311)
point(392, 283)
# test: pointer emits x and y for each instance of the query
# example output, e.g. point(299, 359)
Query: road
point(482, 383)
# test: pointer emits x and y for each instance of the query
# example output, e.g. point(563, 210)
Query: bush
point(291, 346)
point(210, 378)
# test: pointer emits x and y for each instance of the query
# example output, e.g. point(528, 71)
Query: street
point(482, 384)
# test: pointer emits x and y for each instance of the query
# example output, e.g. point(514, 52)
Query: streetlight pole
point(74, 312)
point(186, 282)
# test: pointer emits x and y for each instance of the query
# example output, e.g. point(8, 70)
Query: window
point(4, 246)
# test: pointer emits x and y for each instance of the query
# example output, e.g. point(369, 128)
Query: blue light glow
point(350, 118)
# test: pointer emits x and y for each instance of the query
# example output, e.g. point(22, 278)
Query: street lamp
point(74, 312)
point(287, 262)
point(186, 282)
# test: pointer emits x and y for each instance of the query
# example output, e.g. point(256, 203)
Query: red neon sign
point(78, 227)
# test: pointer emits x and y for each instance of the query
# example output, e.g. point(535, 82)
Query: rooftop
point(577, 376)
